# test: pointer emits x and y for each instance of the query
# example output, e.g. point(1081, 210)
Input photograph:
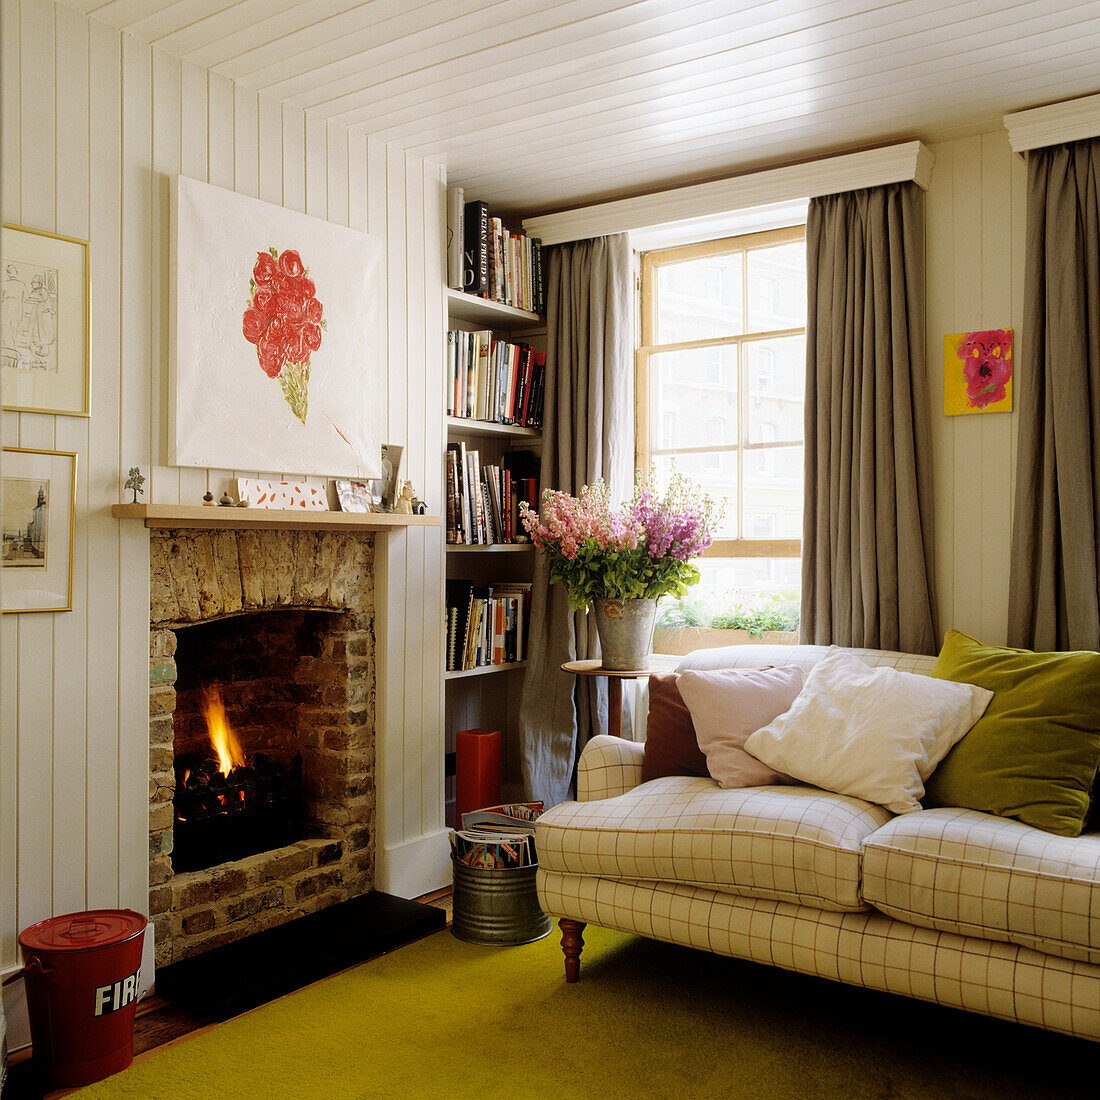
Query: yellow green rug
point(441, 1018)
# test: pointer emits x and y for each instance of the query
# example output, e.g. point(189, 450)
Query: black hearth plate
point(232, 979)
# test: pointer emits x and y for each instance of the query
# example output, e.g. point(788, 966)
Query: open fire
point(228, 804)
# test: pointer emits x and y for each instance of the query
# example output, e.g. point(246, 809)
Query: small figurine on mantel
point(135, 481)
point(208, 499)
point(404, 504)
point(227, 501)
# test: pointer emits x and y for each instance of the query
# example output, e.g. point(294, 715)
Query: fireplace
point(271, 632)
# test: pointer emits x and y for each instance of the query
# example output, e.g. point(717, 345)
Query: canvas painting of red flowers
point(284, 319)
point(275, 363)
point(977, 371)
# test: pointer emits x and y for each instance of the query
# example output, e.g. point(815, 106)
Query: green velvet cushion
point(1034, 754)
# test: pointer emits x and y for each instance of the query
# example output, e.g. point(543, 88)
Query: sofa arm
point(608, 766)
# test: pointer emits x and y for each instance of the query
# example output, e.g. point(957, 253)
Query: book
point(536, 256)
point(456, 260)
point(510, 816)
point(476, 246)
point(459, 598)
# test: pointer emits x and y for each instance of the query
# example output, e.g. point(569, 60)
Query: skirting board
point(415, 867)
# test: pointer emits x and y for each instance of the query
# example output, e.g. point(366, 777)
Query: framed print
point(275, 360)
point(977, 372)
point(45, 322)
point(39, 511)
point(355, 496)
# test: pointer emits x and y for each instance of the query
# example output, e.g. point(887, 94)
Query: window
point(730, 370)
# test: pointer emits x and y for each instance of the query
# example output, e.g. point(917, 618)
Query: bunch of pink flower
point(568, 523)
point(642, 550)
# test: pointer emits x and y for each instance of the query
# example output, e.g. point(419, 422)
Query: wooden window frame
point(651, 262)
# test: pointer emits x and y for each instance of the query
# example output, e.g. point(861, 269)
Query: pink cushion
point(727, 705)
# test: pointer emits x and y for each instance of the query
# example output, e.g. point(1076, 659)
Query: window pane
point(775, 380)
point(777, 287)
point(699, 299)
point(694, 397)
point(715, 473)
point(772, 502)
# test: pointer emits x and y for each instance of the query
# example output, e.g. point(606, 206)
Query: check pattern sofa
point(945, 905)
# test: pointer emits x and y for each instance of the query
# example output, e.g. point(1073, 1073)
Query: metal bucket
point(497, 905)
point(625, 628)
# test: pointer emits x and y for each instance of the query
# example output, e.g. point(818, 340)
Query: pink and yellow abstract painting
point(977, 372)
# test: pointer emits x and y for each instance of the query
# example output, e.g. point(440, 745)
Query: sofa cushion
point(1034, 754)
point(872, 733)
point(671, 745)
point(726, 706)
point(964, 871)
point(794, 844)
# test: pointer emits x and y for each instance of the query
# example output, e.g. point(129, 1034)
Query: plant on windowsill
point(622, 562)
point(687, 625)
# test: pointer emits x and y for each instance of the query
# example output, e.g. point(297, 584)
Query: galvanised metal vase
point(625, 628)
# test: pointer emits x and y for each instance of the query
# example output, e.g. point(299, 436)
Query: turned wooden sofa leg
point(572, 944)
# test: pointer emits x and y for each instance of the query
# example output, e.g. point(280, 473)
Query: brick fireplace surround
point(319, 588)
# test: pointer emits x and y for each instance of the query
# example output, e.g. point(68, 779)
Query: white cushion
point(793, 844)
point(968, 872)
point(875, 734)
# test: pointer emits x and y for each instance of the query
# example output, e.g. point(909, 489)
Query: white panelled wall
point(974, 215)
point(94, 126)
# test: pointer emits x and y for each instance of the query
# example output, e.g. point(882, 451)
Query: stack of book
point(483, 501)
point(485, 258)
point(494, 380)
point(486, 624)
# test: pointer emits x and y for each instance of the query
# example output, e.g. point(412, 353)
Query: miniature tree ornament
point(135, 481)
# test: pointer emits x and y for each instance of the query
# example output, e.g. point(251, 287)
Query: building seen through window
point(721, 393)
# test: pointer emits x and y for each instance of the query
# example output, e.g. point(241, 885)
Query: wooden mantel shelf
point(190, 515)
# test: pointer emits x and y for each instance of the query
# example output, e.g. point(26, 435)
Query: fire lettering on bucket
point(110, 998)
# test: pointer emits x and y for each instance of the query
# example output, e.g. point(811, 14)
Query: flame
point(226, 745)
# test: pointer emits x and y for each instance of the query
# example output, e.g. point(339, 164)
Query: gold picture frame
point(38, 529)
point(45, 322)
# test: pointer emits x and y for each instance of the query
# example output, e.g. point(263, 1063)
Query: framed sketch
point(355, 496)
point(45, 328)
point(275, 362)
point(39, 509)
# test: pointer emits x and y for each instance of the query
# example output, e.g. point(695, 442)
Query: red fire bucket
point(82, 972)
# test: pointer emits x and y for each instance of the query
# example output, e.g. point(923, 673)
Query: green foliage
point(596, 574)
point(775, 611)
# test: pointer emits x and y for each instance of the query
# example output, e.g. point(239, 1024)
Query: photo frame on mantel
point(45, 322)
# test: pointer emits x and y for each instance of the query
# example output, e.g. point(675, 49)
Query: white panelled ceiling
point(542, 104)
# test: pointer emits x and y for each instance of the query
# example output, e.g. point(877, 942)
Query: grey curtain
point(1053, 600)
point(587, 433)
point(867, 531)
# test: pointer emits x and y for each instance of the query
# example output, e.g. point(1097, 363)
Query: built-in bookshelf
point(492, 561)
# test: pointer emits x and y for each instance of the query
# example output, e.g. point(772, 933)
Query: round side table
point(615, 680)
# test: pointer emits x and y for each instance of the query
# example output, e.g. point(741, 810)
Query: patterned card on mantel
point(282, 494)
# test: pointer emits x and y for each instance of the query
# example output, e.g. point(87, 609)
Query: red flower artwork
point(987, 365)
point(284, 320)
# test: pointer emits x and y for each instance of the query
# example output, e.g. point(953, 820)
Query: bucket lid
point(81, 931)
